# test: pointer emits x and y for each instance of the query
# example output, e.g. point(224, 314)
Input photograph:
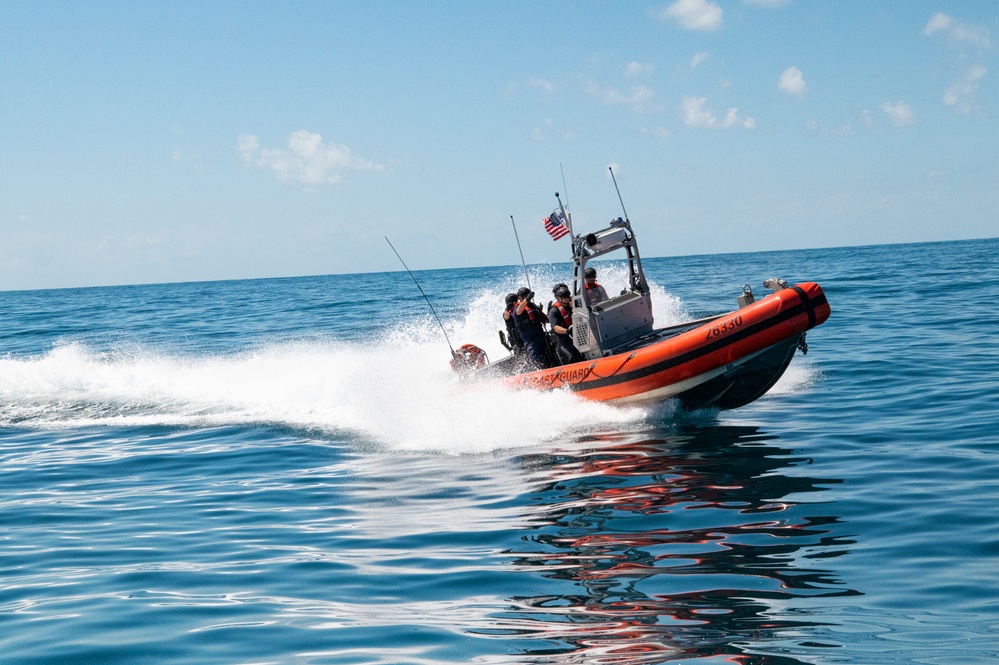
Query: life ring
point(467, 357)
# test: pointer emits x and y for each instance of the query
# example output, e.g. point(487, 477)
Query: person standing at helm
point(594, 292)
point(560, 320)
point(530, 323)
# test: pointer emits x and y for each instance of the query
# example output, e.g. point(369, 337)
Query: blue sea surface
point(286, 471)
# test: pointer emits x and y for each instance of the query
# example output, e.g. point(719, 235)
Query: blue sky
point(149, 142)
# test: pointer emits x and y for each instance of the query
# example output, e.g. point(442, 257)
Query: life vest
point(529, 311)
point(565, 314)
point(595, 285)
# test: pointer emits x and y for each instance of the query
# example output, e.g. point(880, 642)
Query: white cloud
point(733, 119)
point(792, 81)
point(698, 59)
point(638, 68)
point(696, 113)
point(694, 14)
point(640, 98)
point(901, 114)
point(970, 42)
point(962, 94)
point(307, 159)
point(937, 22)
point(959, 34)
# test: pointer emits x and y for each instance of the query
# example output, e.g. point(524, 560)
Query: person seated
point(594, 292)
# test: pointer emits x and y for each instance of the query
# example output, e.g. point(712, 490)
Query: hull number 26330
point(721, 329)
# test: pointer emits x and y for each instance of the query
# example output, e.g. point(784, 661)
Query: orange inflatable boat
point(723, 361)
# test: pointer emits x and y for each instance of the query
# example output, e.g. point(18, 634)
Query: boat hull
point(724, 363)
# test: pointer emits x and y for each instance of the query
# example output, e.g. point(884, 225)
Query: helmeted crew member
point(530, 323)
point(594, 292)
point(512, 336)
point(560, 320)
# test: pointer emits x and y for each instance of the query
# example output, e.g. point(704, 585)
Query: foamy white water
point(396, 394)
point(396, 391)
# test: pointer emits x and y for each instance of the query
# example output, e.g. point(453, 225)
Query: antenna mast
point(522, 262)
point(611, 169)
point(453, 355)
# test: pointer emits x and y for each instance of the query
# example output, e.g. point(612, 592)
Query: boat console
point(599, 329)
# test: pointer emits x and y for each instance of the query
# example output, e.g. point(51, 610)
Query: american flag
point(555, 225)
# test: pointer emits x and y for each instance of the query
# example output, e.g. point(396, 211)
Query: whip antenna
point(564, 188)
point(522, 262)
point(611, 169)
point(424, 296)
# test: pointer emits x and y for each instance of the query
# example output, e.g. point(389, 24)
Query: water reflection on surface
point(701, 544)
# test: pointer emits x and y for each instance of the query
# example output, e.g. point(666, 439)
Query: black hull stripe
point(807, 306)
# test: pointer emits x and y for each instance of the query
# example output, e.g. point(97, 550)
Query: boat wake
point(397, 391)
point(397, 394)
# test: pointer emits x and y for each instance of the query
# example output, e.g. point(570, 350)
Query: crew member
point(594, 292)
point(512, 336)
point(560, 320)
point(530, 322)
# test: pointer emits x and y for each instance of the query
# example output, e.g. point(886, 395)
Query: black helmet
point(590, 272)
point(524, 292)
point(511, 298)
point(560, 285)
point(562, 292)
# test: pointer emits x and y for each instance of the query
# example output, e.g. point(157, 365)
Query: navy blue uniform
point(560, 314)
point(532, 334)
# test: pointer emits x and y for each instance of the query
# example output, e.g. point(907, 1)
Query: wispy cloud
point(901, 114)
point(792, 81)
point(959, 33)
point(639, 98)
point(962, 94)
point(698, 59)
point(970, 42)
point(693, 14)
point(638, 68)
point(541, 84)
point(696, 113)
point(307, 159)
point(539, 134)
point(657, 132)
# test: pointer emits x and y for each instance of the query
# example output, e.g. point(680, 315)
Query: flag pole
point(522, 261)
point(565, 214)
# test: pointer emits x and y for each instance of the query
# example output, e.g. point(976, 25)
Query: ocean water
point(286, 471)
